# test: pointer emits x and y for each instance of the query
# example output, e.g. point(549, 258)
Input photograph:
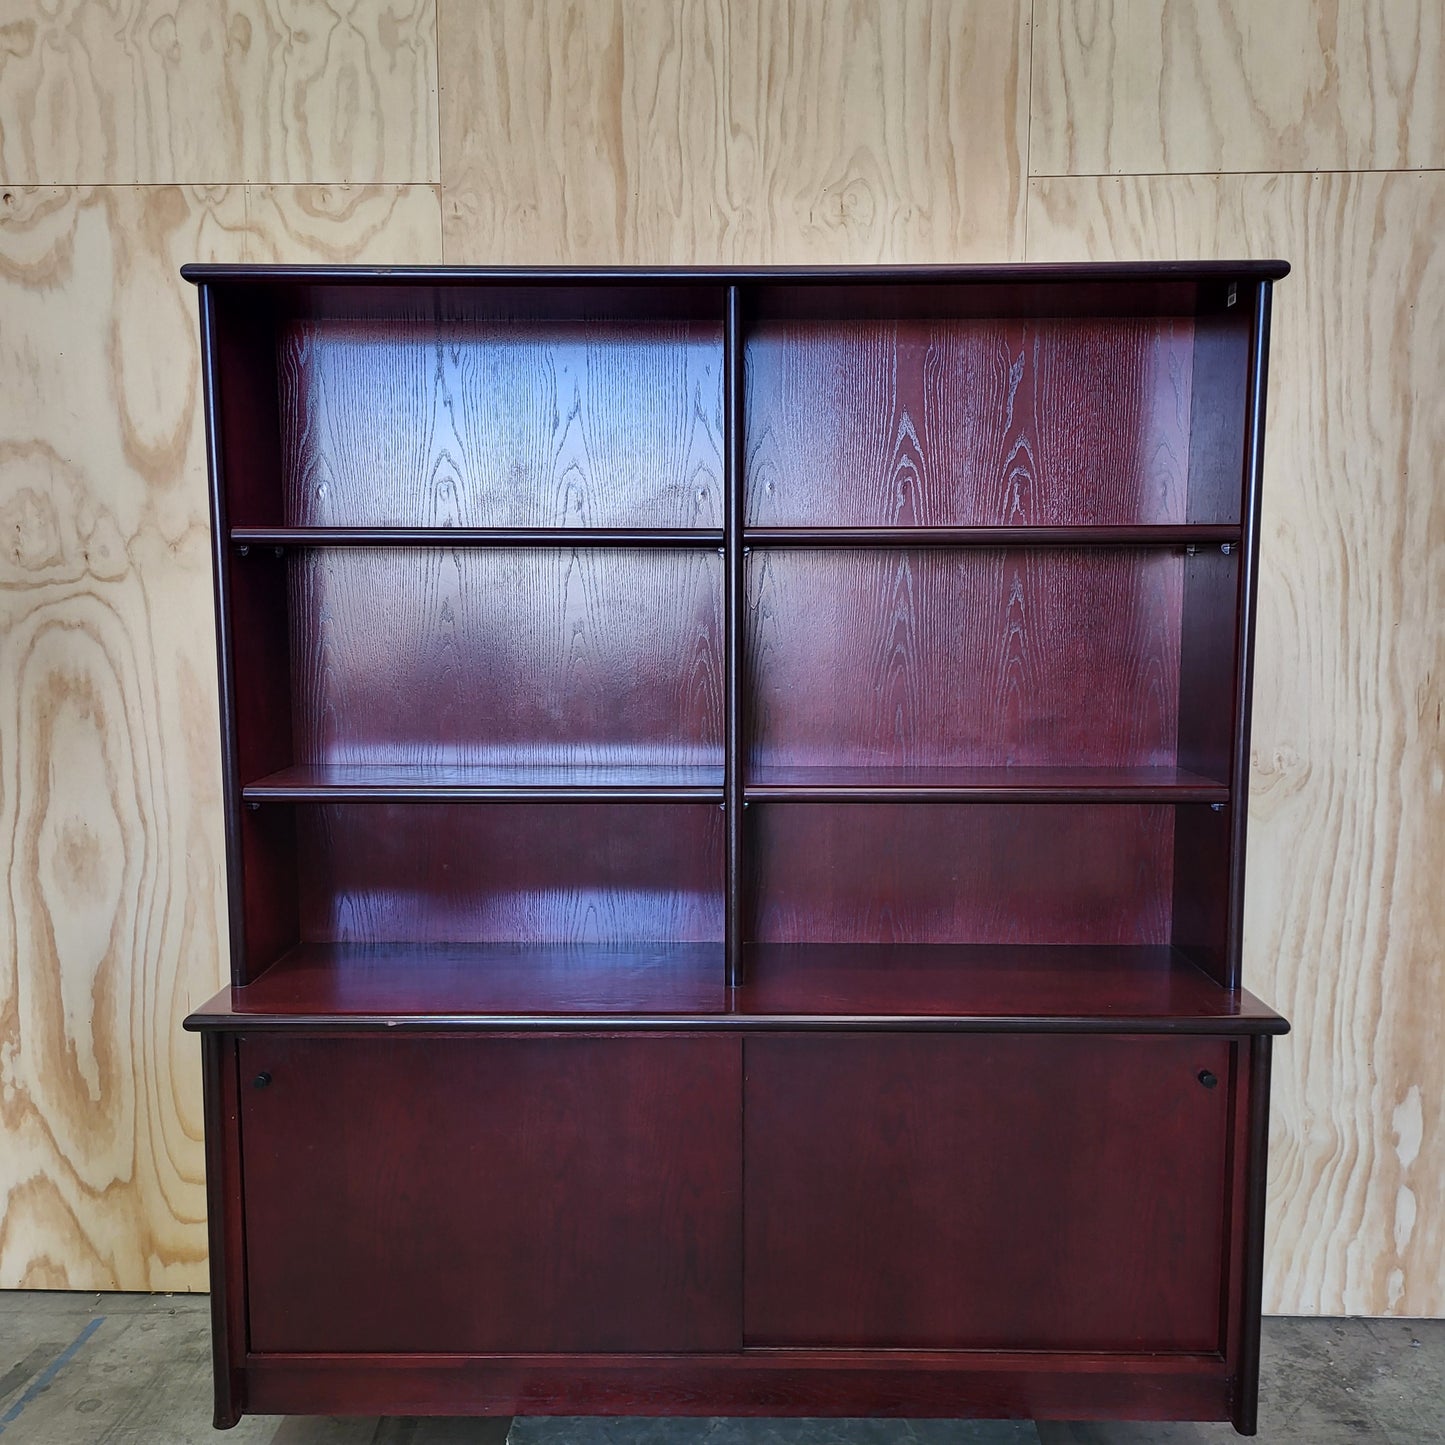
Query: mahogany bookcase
point(735, 798)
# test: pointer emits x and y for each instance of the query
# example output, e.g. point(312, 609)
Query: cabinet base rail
point(825, 1383)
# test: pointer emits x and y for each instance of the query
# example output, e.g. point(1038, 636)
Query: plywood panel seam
point(234, 185)
point(441, 175)
point(1028, 90)
point(1221, 175)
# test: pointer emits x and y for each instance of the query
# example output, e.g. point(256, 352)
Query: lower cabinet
point(1004, 1191)
point(427, 1194)
point(765, 1222)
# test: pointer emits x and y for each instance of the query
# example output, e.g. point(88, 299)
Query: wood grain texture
point(590, 657)
point(876, 130)
point(614, 873)
point(810, 1383)
point(1345, 924)
point(393, 985)
point(985, 657)
point(961, 873)
point(110, 844)
point(1119, 987)
point(241, 91)
point(996, 1192)
point(643, 130)
point(969, 423)
point(477, 424)
point(506, 987)
point(592, 1202)
point(1203, 86)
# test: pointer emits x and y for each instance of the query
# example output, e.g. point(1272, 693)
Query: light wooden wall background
point(138, 134)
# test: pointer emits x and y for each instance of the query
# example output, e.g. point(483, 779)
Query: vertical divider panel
point(735, 604)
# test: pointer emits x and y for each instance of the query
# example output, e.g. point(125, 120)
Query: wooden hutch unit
point(735, 790)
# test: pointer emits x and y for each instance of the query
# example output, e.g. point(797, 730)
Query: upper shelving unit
point(722, 614)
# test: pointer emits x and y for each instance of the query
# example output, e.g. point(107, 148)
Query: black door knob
point(1205, 1077)
point(261, 1080)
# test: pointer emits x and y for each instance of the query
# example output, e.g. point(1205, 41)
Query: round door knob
point(261, 1080)
point(1205, 1077)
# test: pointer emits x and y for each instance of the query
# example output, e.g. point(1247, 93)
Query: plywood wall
point(138, 134)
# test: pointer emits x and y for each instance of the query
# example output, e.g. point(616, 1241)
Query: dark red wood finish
point(243, 442)
point(981, 1384)
point(1073, 988)
point(490, 423)
point(452, 986)
point(1244, 622)
point(885, 783)
point(1118, 280)
point(1247, 1223)
point(473, 1195)
point(433, 656)
point(627, 675)
point(969, 422)
point(511, 782)
point(735, 584)
point(1028, 657)
point(967, 873)
point(1069, 988)
point(261, 723)
point(1207, 722)
point(567, 872)
point(1204, 1384)
point(1127, 535)
point(225, 1226)
point(985, 1193)
point(449, 536)
point(245, 414)
point(1218, 414)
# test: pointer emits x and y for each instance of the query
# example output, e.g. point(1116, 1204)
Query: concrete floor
point(135, 1370)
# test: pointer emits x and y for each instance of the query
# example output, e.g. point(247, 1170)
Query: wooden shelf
point(1046, 988)
point(960, 987)
point(332, 984)
point(490, 782)
point(476, 537)
point(1074, 536)
point(982, 785)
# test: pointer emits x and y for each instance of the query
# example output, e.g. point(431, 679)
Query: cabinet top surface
point(1036, 272)
point(969, 988)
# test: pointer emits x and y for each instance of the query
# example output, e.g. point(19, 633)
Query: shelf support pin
point(243, 550)
point(1226, 547)
point(1191, 550)
point(280, 551)
point(1233, 294)
point(1216, 807)
point(254, 806)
